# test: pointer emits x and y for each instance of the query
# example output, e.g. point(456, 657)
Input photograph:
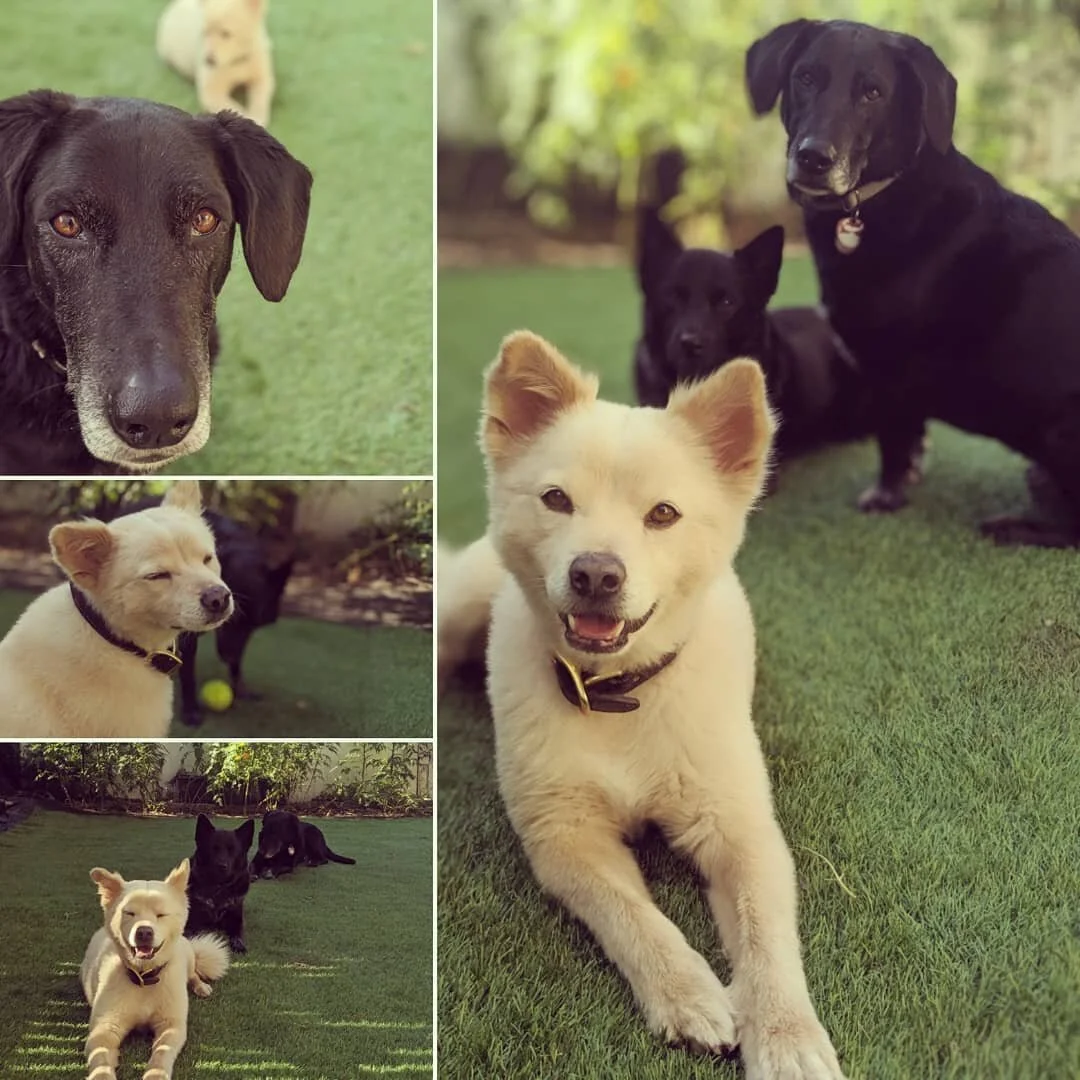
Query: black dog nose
point(144, 935)
point(815, 156)
point(597, 575)
point(690, 343)
point(155, 407)
point(215, 600)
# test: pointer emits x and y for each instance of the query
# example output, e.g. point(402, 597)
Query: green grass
point(917, 701)
point(337, 378)
point(314, 678)
point(336, 982)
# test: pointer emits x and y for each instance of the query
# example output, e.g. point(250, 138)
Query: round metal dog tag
point(848, 234)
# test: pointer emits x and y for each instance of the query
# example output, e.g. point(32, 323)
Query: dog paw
point(882, 500)
point(236, 944)
point(201, 989)
point(789, 1050)
point(692, 1010)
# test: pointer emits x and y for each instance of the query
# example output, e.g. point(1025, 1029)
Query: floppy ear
point(110, 885)
point(937, 87)
point(529, 384)
point(184, 495)
point(246, 833)
point(759, 261)
point(271, 192)
point(204, 828)
point(770, 59)
point(731, 414)
point(25, 122)
point(178, 877)
point(82, 549)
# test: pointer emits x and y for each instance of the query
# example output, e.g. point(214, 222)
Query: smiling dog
point(138, 966)
point(117, 220)
point(92, 658)
point(621, 673)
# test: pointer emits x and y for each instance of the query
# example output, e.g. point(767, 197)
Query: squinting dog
point(620, 675)
point(92, 658)
point(117, 220)
point(138, 968)
point(955, 295)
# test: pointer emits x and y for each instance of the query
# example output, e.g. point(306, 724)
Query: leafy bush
point(390, 777)
point(401, 534)
point(97, 772)
point(261, 774)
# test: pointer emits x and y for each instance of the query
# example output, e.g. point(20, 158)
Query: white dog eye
point(159, 575)
point(662, 516)
point(208, 560)
point(554, 498)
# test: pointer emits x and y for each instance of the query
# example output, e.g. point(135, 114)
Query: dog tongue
point(596, 627)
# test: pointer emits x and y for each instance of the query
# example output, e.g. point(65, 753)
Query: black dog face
point(704, 308)
point(124, 213)
point(221, 854)
point(858, 103)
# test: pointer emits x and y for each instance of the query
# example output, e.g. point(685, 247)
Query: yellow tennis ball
point(216, 695)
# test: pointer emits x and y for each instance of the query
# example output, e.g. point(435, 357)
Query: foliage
point(402, 534)
point(392, 777)
point(584, 89)
point(267, 774)
point(100, 772)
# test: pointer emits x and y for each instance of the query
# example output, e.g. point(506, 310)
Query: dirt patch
point(14, 811)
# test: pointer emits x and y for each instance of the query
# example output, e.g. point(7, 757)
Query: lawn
point(336, 982)
point(316, 679)
point(337, 378)
point(918, 703)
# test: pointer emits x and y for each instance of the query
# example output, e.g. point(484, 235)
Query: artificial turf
point(315, 679)
point(336, 982)
point(336, 379)
point(919, 704)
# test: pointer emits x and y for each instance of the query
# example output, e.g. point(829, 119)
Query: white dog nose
point(597, 575)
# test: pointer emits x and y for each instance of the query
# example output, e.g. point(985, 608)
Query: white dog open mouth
point(144, 952)
point(598, 632)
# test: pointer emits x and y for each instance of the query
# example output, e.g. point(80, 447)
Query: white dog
point(222, 45)
point(621, 672)
point(138, 967)
point(92, 659)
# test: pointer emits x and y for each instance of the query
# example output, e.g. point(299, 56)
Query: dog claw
point(882, 500)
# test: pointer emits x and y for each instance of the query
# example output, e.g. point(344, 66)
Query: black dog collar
point(146, 978)
point(165, 662)
point(604, 693)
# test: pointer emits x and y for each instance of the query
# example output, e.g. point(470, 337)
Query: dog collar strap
point(165, 661)
point(849, 229)
point(146, 978)
point(604, 693)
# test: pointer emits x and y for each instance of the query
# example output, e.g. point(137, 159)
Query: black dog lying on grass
point(219, 881)
point(703, 308)
point(117, 220)
point(286, 842)
point(957, 297)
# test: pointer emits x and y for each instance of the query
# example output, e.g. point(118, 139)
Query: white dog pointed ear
point(178, 877)
point(730, 412)
point(110, 885)
point(527, 387)
point(82, 550)
point(184, 495)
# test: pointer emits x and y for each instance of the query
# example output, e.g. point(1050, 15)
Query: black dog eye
point(871, 93)
point(805, 78)
point(204, 222)
point(662, 516)
point(719, 299)
point(556, 499)
point(66, 225)
point(159, 575)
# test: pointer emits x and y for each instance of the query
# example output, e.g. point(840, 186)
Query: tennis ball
point(216, 695)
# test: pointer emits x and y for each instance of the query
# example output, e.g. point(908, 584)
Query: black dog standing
point(957, 297)
point(286, 842)
point(219, 881)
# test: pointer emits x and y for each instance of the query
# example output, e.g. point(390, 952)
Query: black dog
point(257, 586)
point(957, 297)
point(286, 842)
point(219, 881)
point(117, 220)
point(703, 308)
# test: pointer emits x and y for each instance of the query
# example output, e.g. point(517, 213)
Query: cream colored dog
point(138, 967)
point(222, 45)
point(92, 659)
point(621, 673)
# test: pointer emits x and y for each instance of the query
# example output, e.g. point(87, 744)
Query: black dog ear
point(271, 192)
point(245, 833)
point(658, 248)
point(25, 124)
point(770, 59)
point(759, 261)
point(203, 828)
point(938, 89)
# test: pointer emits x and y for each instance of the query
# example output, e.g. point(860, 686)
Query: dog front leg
point(592, 872)
point(260, 93)
point(902, 443)
point(102, 1051)
point(750, 879)
point(215, 91)
point(169, 1040)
